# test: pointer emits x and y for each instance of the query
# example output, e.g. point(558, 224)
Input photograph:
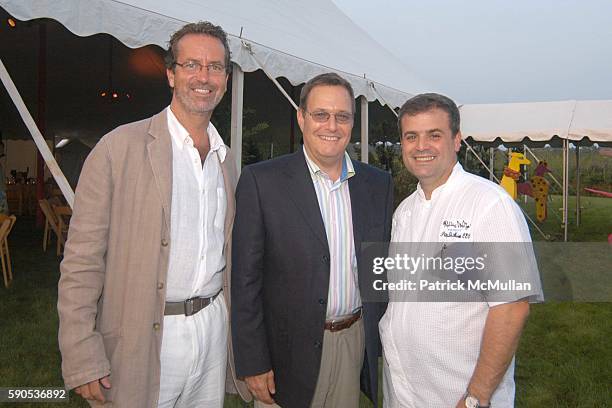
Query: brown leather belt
point(337, 325)
point(188, 307)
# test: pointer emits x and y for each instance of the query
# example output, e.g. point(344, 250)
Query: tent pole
point(526, 174)
point(364, 129)
point(563, 219)
point(470, 149)
point(292, 120)
point(41, 144)
point(578, 209)
point(237, 105)
point(491, 162)
point(565, 186)
point(41, 117)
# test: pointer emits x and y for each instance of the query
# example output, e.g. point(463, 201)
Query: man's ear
point(170, 76)
point(300, 118)
point(457, 141)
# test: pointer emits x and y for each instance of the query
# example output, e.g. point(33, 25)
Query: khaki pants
point(341, 362)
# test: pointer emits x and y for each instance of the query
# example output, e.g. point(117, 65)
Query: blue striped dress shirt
point(335, 204)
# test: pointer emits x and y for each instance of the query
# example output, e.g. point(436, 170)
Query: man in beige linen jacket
point(114, 276)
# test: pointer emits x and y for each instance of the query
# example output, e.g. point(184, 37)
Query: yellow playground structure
point(512, 172)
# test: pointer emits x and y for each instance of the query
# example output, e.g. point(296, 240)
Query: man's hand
point(92, 391)
point(262, 386)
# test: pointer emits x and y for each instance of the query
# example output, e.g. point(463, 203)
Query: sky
point(496, 51)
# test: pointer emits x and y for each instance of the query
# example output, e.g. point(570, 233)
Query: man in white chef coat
point(452, 353)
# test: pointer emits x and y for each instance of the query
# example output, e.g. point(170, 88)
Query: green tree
point(251, 130)
point(250, 152)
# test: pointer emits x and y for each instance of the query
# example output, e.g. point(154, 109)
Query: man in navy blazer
point(302, 335)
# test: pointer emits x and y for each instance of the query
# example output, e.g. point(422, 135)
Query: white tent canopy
point(538, 121)
point(293, 39)
point(289, 38)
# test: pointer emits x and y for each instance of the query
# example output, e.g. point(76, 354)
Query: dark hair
point(426, 102)
point(201, 28)
point(328, 79)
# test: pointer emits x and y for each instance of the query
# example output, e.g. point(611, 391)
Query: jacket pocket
point(112, 348)
point(111, 341)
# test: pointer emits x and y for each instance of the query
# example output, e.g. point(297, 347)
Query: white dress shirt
point(197, 216)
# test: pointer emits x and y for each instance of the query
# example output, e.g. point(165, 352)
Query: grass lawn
point(564, 359)
point(595, 220)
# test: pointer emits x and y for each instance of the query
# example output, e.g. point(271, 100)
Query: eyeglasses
point(322, 116)
point(193, 67)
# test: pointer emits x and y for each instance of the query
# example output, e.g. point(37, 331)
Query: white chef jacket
point(431, 348)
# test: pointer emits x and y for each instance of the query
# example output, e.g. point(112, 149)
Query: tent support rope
point(552, 176)
point(496, 179)
point(41, 144)
point(383, 99)
point(278, 85)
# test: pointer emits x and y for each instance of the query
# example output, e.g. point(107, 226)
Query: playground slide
point(599, 192)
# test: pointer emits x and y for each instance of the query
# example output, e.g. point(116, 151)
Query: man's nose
point(421, 143)
point(203, 74)
point(331, 122)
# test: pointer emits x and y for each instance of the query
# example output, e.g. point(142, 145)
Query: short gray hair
point(328, 79)
point(201, 28)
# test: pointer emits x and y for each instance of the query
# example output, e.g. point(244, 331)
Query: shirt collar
point(348, 170)
point(181, 137)
point(456, 173)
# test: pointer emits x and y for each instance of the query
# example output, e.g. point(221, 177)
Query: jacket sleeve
point(389, 208)
point(251, 354)
point(82, 273)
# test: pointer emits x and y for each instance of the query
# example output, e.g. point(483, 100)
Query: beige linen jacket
point(112, 287)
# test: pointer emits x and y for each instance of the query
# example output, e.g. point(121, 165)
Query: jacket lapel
point(160, 156)
point(301, 191)
point(359, 206)
point(228, 169)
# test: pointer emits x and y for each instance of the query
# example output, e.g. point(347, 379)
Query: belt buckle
point(189, 307)
point(335, 324)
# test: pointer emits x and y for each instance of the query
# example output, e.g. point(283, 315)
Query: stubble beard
point(195, 108)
